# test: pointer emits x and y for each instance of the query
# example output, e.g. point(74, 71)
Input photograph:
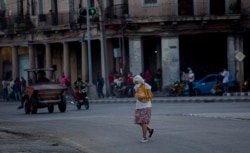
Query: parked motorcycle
point(177, 89)
point(81, 98)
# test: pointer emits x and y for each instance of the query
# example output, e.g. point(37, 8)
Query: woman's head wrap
point(138, 79)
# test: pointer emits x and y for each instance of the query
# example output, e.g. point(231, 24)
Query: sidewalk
point(183, 99)
point(161, 98)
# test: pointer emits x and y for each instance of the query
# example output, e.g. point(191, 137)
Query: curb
point(199, 99)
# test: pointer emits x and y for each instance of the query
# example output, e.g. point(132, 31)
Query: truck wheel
point(62, 105)
point(51, 109)
point(33, 105)
point(27, 107)
point(86, 102)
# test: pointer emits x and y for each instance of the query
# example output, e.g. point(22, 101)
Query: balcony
point(182, 10)
point(17, 23)
point(117, 12)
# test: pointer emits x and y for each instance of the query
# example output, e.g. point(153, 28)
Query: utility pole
point(89, 45)
point(103, 45)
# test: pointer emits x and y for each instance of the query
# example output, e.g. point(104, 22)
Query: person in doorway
point(23, 86)
point(5, 89)
point(111, 84)
point(158, 78)
point(130, 84)
point(225, 75)
point(17, 89)
point(99, 85)
point(143, 96)
point(147, 76)
point(191, 78)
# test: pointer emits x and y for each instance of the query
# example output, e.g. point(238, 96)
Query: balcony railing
point(25, 23)
point(170, 9)
point(135, 11)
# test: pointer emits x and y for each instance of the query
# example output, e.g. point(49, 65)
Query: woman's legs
point(145, 129)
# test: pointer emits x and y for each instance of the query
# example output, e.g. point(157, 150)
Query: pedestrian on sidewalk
point(191, 77)
point(99, 85)
point(5, 90)
point(23, 86)
point(225, 75)
point(143, 96)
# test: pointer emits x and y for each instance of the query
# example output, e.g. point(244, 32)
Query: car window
point(209, 79)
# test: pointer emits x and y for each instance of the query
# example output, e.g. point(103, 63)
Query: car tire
point(27, 107)
point(33, 105)
point(62, 105)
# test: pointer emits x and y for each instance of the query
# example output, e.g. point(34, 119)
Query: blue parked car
point(204, 85)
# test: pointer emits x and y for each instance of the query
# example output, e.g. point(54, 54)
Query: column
point(66, 70)
point(15, 62)
point(1, 66)
point(195, 7)
point(32, 60)
point(48, 60)
point(231, 61)
point(110, 56)
point(31, 57)
point(135, 55)
point(158, 55)
point(170, 60)
point(84, 61)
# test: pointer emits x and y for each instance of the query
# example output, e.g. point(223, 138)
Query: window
point(20, 7)
point(33, 7)
point(217, 7)
point(3, 4)
point(209, 79)
point(150, 2)
point(40, 4)
point(92, 3)
point(185, 7)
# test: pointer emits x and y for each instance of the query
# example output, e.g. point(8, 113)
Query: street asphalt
point(10, 139)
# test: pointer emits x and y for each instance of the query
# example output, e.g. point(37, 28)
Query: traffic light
point(92, 11)
point(82, 11)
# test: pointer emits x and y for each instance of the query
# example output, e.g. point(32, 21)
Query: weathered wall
point(170, 60)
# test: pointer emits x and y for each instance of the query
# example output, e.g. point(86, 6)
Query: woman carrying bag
point(143, 96)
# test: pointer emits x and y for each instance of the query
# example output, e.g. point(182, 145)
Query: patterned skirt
point(142, 116)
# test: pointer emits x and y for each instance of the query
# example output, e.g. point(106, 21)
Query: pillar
point(66, 70)
point(135, 55)
point(234, 45)
point(84, 61)
point(48, 60)
point(158, 55)
point(15, 62)
point(1, 66)
point(31, 56)
point(170, 60)
point(231, 61)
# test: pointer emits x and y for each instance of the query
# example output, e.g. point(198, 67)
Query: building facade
point(125, 36)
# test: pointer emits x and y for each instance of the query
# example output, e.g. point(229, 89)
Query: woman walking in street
point(143, 106)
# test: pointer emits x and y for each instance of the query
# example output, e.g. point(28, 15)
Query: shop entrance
point(204, 53)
